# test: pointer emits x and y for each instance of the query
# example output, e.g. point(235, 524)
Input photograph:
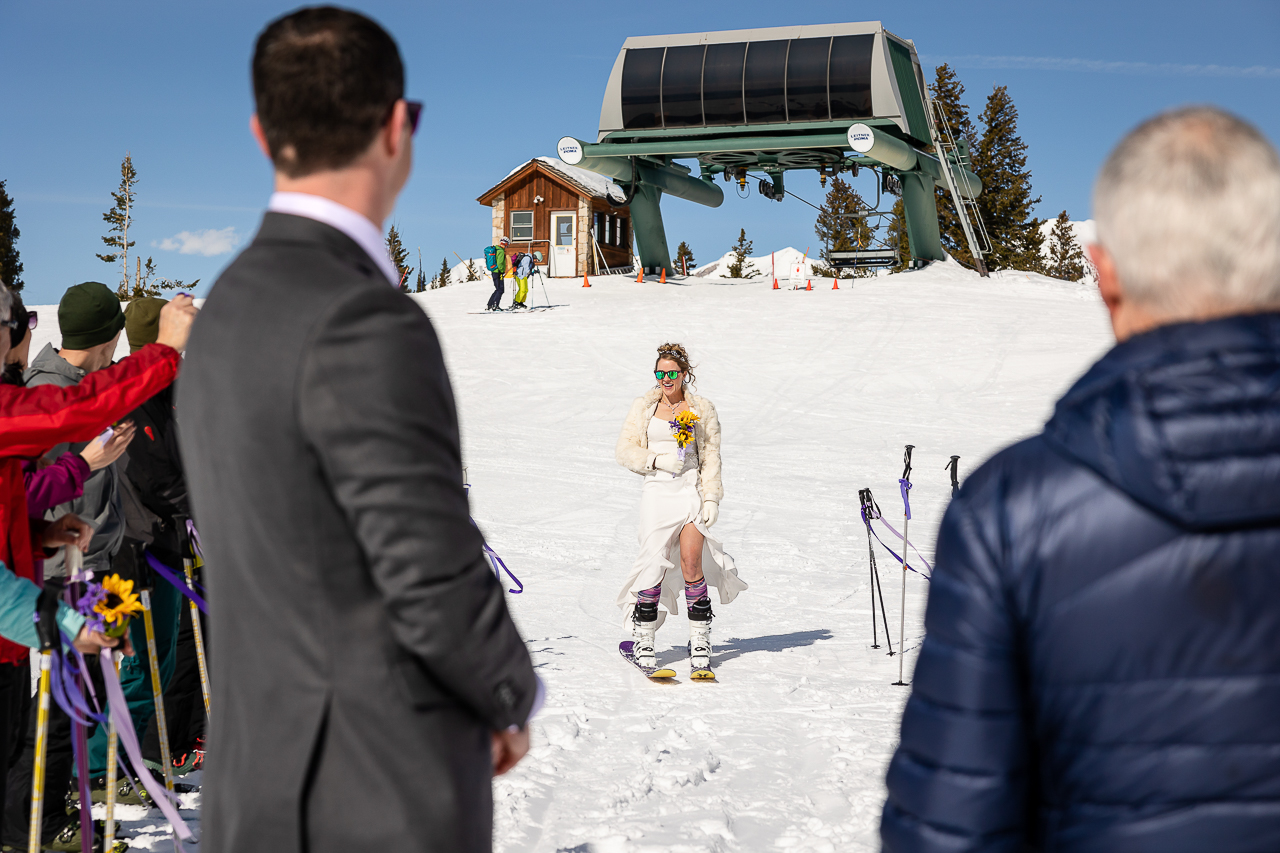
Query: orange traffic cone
point(663, 278)
point(640, 277)
point(835, 284)
point(775, 285)
point(808, 284)
point(585, 283)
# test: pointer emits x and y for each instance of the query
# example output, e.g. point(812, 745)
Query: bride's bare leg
point(691, 553)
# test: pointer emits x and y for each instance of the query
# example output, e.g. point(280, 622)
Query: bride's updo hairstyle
point(676, 353)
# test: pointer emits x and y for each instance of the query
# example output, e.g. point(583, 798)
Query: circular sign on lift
point(861, 139)
point(570, 150)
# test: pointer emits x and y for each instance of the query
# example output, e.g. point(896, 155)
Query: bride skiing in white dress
point(679, 502)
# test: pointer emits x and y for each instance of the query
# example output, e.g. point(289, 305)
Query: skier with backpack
point(495, 260)
point(523, 265)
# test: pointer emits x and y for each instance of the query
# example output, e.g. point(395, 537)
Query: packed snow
point(817, 393)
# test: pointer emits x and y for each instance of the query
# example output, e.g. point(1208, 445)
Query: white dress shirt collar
point(346, 220)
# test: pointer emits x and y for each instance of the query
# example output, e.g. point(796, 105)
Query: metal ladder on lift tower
point(944, 143)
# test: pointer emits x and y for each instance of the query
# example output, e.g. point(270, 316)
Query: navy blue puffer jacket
point(1102, 666)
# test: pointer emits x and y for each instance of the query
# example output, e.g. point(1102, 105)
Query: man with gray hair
point(1102, 665)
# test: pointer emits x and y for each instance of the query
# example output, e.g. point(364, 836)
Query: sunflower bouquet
point(109, 605)
point(682, 429)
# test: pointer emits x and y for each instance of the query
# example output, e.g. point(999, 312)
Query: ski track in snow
point(817, 393)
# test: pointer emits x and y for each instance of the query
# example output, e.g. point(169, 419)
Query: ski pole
point(47, 630)
point(953, 466)
point(157, 689)
point(870, 510)
point(905, 484)
point(197, 630)
point(109, 832)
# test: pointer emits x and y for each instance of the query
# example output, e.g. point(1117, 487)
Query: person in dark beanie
point(1101, 670)
point(155, 497)
point(91, 321)
point(368, 680)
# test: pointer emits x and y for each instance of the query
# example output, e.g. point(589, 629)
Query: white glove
point(710, 512)
point(669, 462)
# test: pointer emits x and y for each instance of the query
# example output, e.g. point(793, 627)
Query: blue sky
point(502, 81)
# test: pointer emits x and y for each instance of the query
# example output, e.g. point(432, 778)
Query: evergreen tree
point(684, 258)
point(398, 254)
point(740, 267)
point(948, 98)
point(10, 262)
point(1066, 258)
point(896, 237)
point(145, 281)
point(839, 231)
point(472, 273)
point(421, 283)
point(1006, 202)
point(442, 277)
point(120, 217)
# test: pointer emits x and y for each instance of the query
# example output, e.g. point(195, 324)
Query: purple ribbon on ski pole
point(904, 486)
point(176, 580)
point(893, 553)
point(493, 555)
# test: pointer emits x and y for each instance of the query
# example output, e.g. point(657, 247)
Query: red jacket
point(32, 420)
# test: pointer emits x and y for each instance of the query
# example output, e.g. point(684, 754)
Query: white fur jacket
point(633, 445)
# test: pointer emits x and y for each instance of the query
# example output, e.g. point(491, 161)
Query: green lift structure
point(832, 98)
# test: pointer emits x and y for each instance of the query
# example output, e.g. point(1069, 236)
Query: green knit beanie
point(142, 321)
point(88, 315)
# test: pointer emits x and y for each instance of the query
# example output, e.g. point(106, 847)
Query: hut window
point(521, 225)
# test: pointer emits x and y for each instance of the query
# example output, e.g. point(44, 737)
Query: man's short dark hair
point(324, 81)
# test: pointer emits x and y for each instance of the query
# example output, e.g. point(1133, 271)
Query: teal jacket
point(18, 607)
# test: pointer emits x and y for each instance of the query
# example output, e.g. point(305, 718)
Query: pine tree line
point(145, 280)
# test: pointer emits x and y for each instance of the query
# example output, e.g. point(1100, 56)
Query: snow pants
point(522, 290)
point(496, 299)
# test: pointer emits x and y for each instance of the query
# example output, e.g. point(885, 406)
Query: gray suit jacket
point(361, 648)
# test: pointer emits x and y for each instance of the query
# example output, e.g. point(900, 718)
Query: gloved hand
point(710, 512)
point(668, 462)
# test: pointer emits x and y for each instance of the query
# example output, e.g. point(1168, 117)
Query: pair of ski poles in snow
point(870, 511)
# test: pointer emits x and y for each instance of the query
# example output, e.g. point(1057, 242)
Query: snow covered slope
point(817, 393)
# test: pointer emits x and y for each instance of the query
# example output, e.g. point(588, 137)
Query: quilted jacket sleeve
point(629, 452)
point(959, 779)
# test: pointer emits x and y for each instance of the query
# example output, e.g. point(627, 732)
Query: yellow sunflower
point(120, 601)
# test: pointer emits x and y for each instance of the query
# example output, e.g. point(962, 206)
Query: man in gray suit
point(368, 680)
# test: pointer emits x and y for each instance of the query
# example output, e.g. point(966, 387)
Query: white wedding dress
point(667, 503)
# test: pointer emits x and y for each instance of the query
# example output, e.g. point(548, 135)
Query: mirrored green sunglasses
point(669, 374)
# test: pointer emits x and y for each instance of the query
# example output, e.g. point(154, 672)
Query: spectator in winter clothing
point(524, 269)
point(1102, 659)
point(358, 634)
point(153, 481)
point(90, 319)
point(499, 272)
point(32, 420)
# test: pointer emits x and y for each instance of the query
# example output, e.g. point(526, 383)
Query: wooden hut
point(566, 214)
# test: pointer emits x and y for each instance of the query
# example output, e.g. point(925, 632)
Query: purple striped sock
point(693, 590)
point(649, 596)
